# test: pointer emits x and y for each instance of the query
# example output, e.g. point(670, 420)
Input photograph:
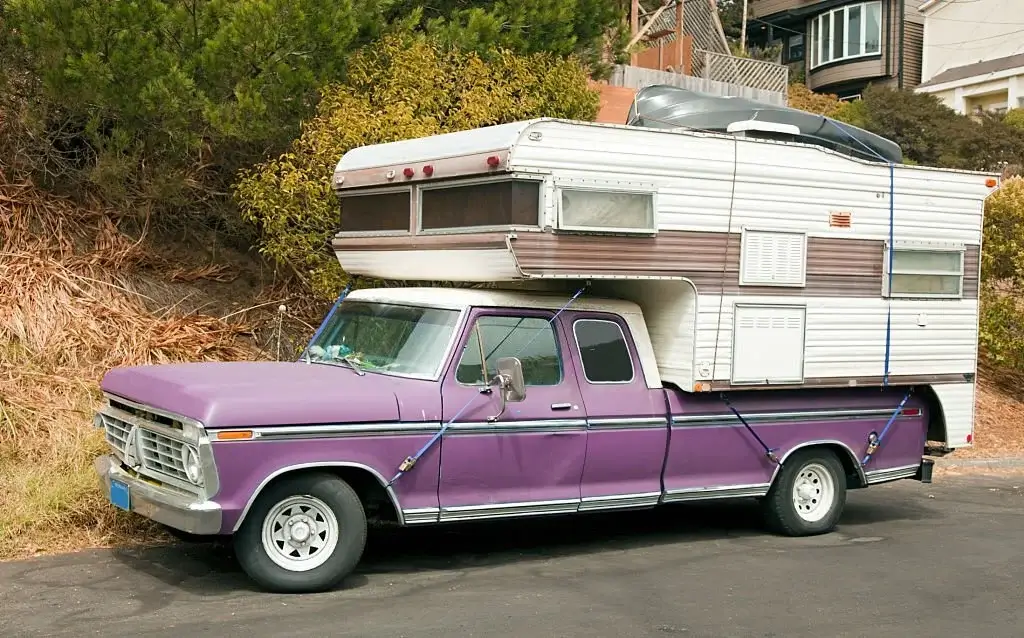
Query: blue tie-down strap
point(875, 439)
point(323, 324)
point(768, 452)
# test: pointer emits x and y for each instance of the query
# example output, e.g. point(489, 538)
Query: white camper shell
point(757, 263)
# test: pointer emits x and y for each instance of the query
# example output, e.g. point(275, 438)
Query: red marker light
point(970, 438)
point(912, 412)
point(428, 170)
point(493, 161)
point(408, 172)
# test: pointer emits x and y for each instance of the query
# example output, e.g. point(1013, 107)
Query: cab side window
point(603, 351)
point(531, 339)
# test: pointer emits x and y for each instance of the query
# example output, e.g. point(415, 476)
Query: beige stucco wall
point(962, 33)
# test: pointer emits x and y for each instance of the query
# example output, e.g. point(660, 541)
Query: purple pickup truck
point(431, 405)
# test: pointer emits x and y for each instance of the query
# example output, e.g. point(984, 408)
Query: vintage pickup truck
point(567, 415)
point(652, 316)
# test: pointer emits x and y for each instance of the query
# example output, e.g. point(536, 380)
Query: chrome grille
point(161, 454)
point(116, 432)
point(154, 450)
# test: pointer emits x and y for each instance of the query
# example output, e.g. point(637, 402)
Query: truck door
point(530, 460)
point(627, 430)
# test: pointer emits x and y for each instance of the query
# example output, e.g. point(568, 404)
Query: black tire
point(781, 513)
point(340, 498)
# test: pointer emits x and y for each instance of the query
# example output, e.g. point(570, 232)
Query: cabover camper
point(771, 307)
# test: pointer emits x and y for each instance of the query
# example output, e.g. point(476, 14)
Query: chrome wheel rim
point(814, 492)
point(300, 533)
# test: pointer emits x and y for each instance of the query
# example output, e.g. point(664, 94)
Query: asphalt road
point(908, 560)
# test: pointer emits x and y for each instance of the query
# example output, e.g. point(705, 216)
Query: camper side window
point(924, 272)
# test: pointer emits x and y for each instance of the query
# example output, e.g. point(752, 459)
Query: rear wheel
point(809, 494)
point(303, 534)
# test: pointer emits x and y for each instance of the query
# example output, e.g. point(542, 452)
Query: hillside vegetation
point(164, 188)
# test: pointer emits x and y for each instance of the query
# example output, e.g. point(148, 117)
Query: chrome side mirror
point(510, 382)
point(510, 371)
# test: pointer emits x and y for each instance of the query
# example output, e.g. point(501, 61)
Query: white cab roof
point(462, 298)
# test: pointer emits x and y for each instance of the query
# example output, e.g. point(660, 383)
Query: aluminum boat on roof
point(663, 106)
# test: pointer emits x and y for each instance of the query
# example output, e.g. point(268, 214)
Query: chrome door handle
point(561, 406)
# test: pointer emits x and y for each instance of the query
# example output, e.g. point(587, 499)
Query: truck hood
point(253, 394)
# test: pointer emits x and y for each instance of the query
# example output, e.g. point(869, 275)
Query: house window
point(773, 258)
point(845, 33)
point(795, 48)
point(603, 351)
point(924, 271)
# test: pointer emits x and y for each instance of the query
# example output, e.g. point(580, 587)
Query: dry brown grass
point(69, 311)
point(999, 420)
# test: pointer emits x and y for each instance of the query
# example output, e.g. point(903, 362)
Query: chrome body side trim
point(707, 493)
point(326, 464)
point(619, 501)
point(338, 431)
point(641, 423)
point(730, 420)
point(874, 477)
point(168, 506)
point(517, 427)
point(509, 510)
point(421, 515)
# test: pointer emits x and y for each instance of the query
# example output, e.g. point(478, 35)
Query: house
point(974, 54)
point(841, 46)
point(682, 43)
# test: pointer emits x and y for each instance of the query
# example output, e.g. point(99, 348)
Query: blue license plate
point(119, 495)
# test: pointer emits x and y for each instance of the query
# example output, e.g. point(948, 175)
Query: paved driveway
point(908, 560)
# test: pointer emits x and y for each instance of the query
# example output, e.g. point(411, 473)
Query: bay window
point(852, 31)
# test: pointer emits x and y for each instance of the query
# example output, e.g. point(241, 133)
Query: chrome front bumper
point(159, 504)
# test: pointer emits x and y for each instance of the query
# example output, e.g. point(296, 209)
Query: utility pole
point(743, 29)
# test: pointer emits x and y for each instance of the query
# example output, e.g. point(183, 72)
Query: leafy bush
point(402, 87)
point(139, 93)
point(1002, 261)
point(1014, 118)
point(1001, 329)
point(801, 97)
point(560, 27)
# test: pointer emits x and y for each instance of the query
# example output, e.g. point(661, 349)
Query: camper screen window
point(376, 212)
point(488, 204)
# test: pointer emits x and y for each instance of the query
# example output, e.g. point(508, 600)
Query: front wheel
point(808, 495)
point(303, 534)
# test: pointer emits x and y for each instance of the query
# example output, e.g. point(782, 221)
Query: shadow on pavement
point(210, 568)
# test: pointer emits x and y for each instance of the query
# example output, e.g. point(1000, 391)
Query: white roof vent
point(744, 126)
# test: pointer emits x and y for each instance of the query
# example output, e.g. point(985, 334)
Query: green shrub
point(1015, 118)
point(160, 102)
point(402, 87)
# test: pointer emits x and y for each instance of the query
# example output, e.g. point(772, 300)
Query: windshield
point(388, 338)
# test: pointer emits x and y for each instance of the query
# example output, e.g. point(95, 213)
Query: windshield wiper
point(345, 362)
point(352, 363)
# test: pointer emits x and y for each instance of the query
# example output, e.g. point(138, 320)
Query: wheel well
point(372, 494)
point(936, 416)
point(851, 467)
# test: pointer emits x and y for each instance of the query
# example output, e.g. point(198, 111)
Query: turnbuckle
point(872, 443)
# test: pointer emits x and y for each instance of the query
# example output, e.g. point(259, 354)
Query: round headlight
point(190, 458)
